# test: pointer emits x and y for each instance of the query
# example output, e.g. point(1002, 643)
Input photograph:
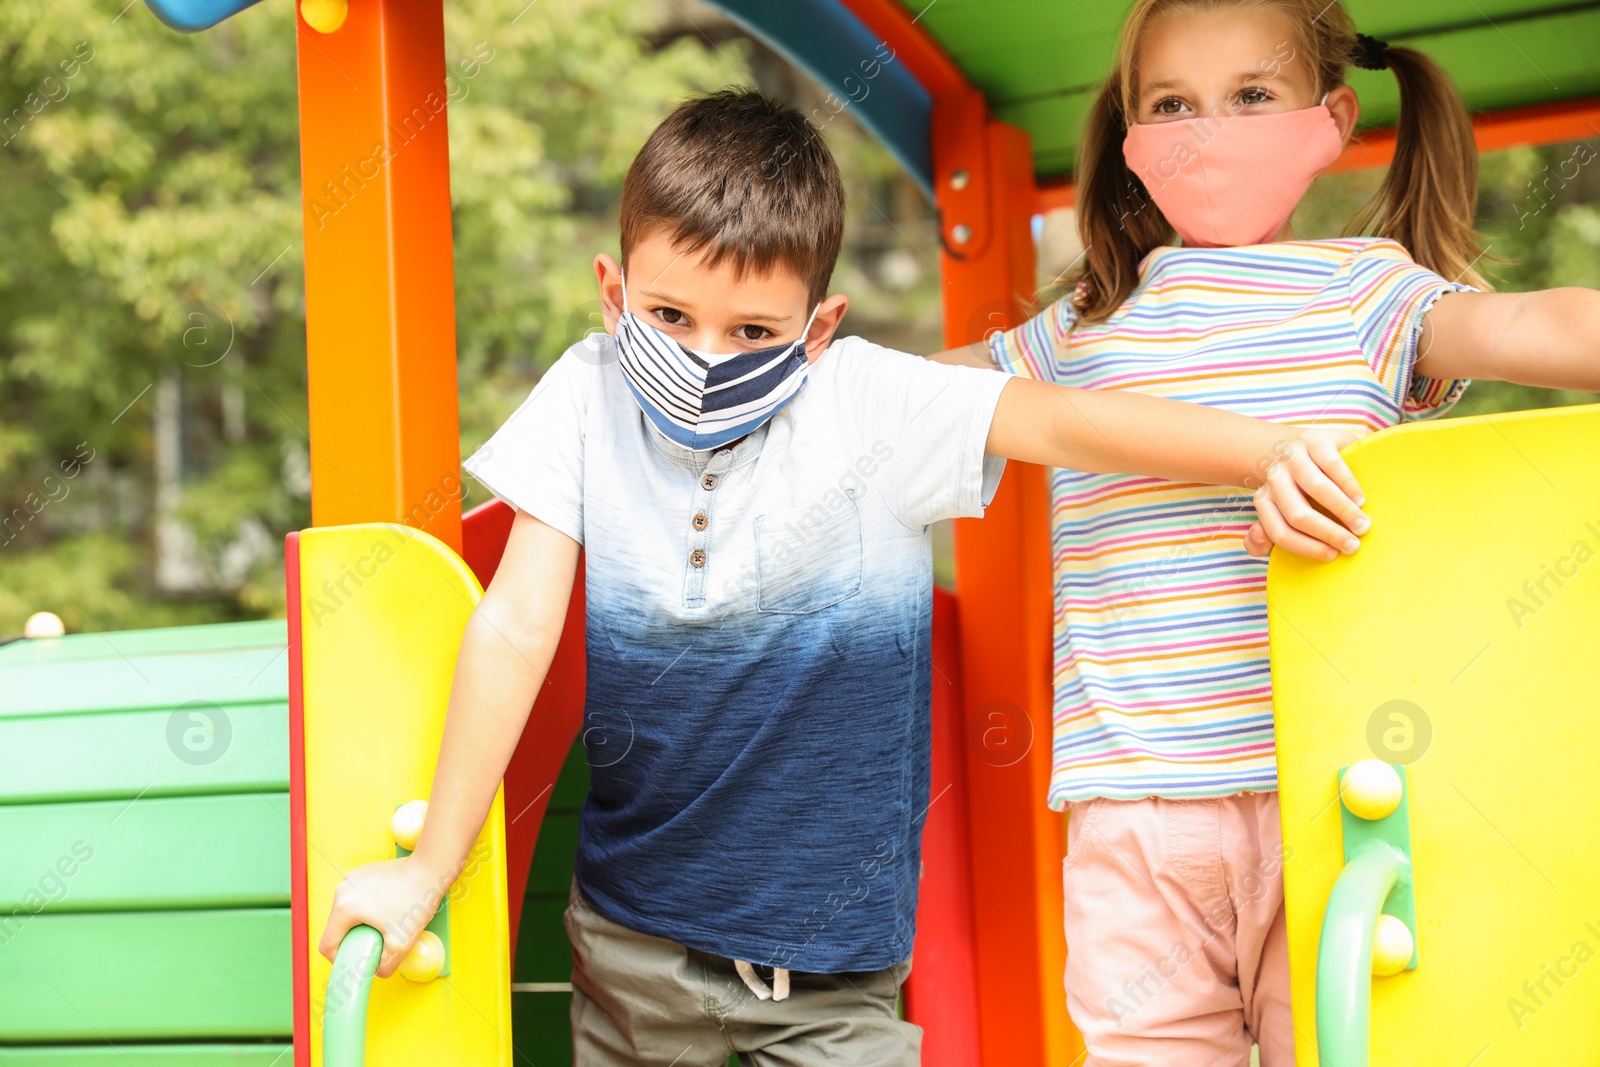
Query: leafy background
point(150, 218)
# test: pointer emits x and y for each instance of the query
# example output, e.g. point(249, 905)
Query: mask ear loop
point(805, 333)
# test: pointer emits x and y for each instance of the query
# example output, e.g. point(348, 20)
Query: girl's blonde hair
point(1427, 200)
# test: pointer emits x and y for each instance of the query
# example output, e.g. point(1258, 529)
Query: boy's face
point(714, 310)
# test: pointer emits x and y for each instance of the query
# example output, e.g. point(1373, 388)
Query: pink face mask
point(1232, 180)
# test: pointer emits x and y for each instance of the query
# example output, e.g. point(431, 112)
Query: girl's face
point(1236, 61)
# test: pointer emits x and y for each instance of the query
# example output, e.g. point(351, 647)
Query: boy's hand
point(396, 897)
point(1309, 483)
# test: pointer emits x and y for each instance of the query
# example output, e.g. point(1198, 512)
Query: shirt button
point(709, 482)
point(697, 558)
point(701, 522)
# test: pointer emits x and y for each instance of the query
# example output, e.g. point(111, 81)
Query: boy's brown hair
point(744, 179)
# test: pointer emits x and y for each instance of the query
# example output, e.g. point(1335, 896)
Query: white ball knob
point(1392, 946)
point(43, 624)
point(406, 824)
point(325, 16)
point(1370, 789)
point(426, 958)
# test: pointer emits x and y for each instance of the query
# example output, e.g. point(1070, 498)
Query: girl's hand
point(1309, 483)
point(396, 897)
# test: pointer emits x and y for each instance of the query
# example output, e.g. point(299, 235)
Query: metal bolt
point(962, 233)
point(959, 179)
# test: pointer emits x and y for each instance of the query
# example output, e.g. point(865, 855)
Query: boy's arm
point(1108, 431)
point(1549, 338)
point(976, 354)
point(505, 652)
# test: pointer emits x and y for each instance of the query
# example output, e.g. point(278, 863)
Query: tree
point(151, 289)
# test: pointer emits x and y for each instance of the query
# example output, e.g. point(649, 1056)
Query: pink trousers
point(1177, 952)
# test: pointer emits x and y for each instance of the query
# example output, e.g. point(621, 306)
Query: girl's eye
point(1170, 106)
point(1255, 95)
point(670, 316)
point(752, 333)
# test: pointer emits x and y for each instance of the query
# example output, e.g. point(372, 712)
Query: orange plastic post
point(983, 173)
point(1054, 196)
point(1567, 120)
point(380, 286)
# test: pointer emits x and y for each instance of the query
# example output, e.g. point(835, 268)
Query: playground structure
point(1474, 585)
point(211, 954)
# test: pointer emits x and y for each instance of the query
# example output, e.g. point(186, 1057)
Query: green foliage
point(157, 179)
point(153, 232)
point(1539, 213)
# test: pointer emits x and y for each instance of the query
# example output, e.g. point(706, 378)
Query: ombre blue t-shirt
point(759, 622)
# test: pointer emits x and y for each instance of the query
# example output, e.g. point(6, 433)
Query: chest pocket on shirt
point(808, 559)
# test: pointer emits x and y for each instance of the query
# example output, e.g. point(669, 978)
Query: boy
point(759, 586)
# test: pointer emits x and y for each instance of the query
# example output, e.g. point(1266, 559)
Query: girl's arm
point(1549, 338)
point(505, 652)
point(1110, 432)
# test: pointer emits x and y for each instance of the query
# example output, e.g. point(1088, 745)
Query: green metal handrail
point(1344, 957)
point(344, 1014)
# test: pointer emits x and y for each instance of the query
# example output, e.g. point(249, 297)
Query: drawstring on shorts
point(779, 990)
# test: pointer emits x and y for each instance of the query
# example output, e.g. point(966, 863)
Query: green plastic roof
point(1040, 61)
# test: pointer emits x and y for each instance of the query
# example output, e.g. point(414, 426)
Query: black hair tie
point(1369, 53)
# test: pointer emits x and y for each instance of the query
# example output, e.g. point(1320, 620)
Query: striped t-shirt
point(1162, 683)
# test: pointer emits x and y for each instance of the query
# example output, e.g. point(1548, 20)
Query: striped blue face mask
point(703, 400)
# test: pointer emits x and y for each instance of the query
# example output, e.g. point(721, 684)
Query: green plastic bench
point(144, 856)
point(144, 877)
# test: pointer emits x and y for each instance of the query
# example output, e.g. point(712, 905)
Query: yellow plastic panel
point(382, 613)
point(1475, 601)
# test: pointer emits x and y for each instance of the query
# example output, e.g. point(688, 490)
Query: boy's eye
point(670, 316)
point(752, 333)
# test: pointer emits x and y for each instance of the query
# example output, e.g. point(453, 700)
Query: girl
point(1218, 116)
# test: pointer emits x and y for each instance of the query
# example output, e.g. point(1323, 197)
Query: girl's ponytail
point(1429, 197)
point(1121, 225)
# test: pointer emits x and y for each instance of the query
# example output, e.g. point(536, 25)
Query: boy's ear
point(829, 314)
point(608, 273)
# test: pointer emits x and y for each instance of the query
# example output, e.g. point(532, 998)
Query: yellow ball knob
point(1392, 946)
point(43, 624)
point(324, 16)
point(1370, 789)
point(426, 958)
point(406, 824)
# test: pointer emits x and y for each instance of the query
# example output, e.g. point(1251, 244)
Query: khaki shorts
point(638, 999)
